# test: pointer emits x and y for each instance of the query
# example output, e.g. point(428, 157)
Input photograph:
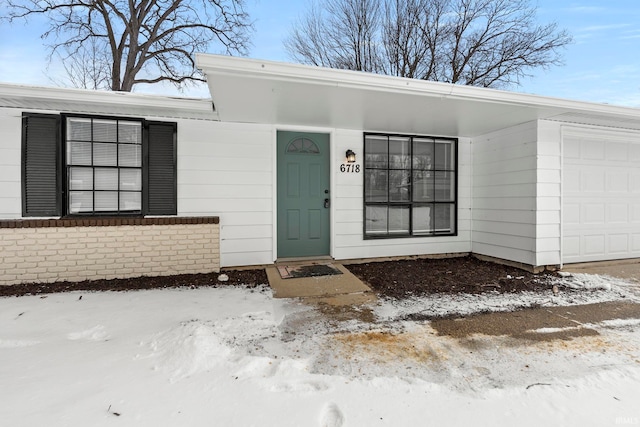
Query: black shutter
point(161, 188)
point(40, 159)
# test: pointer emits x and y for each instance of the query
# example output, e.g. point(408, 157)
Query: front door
point(303, 194)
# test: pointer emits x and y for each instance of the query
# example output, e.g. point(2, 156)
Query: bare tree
point(489, 43)
point(145, 41)
point(338, 34)
point(88, 68)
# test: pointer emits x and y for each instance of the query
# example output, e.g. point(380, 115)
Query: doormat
point(298, 271)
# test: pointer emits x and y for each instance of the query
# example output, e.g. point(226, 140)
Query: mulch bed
point(249, 278)
point(419, 277)
point(392, 279)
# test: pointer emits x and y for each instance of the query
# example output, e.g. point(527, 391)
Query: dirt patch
point(389, 347)
point(540, 324)
point(418, 277)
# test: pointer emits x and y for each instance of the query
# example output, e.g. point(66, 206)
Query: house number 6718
point(350, 168)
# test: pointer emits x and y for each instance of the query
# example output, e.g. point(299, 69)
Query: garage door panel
point(617, 151)
point(593, 244)
point(617, 213)
point(592, 149)
point(634, 182)
point(601, 196)
point(571, 148)
point(571, 246)
point(571, 214)
point(592, 181)
point(618, 243)
point(618, 182)
point(592, 213)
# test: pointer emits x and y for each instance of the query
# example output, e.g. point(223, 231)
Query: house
point(289, 160)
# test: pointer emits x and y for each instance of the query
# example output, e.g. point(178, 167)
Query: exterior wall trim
point(106, 222)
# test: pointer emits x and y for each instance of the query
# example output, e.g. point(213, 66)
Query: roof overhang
point(103, 102)
point(256, 91)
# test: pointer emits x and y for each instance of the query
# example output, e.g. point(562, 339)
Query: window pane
point(445, 186)
point(78, 129)
point(80, 179)
point(130, 155)
point(131, 179)
point(106, 201)
point(106, 179)
point(444, 218)
point(422, 186)
point(130, 201)
point(399, 153)
point(376, 185)
point(79, 153)
point(130, 132)
point(376, 219)
point(422, 219)
point(398, 220)
point(105, 154)
point(376, 155)
point(80, 201)
point(445, 158)
point(422, 154)
point(105, 130)
point(399, 185)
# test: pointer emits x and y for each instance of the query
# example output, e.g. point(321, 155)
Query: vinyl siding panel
point(517, 194)
point(549, 194)
point(226, 170)
point(10, 163)
point(504, 194)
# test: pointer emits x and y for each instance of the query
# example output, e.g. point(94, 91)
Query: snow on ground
point(576, 288)
point(237, 357)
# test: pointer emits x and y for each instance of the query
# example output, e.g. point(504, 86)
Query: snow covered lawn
point(237, 357)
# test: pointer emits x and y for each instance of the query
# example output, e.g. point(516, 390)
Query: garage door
point(601, 195)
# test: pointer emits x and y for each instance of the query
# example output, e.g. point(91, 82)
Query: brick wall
point(79, 249)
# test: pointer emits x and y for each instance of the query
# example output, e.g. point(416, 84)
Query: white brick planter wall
point(79, 249)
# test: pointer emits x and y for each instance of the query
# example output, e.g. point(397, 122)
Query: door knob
point(326, 203)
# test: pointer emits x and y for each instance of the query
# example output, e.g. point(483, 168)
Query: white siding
point(504, 194)
point(549, 194)
point(348, 205)
point(517, 193)
point(226, 170)
point(10, 169)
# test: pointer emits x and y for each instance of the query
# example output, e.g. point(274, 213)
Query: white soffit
point(255, 91)
point(103, 102)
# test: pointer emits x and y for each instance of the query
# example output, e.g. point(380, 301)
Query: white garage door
point(601, 195)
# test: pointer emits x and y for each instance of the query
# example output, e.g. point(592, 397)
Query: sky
point(601, 65)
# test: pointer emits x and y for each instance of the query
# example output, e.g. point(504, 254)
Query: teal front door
point(303, 194)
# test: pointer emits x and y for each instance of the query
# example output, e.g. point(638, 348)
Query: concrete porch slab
point(336, 289)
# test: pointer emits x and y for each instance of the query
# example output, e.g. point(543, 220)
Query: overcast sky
point(602, 65)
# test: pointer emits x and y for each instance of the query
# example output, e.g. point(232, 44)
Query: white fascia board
point(12, 95)
point(259, 69)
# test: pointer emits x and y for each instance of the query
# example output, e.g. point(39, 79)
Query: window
point(409, 186)
point(81, 165)
point(103, 165)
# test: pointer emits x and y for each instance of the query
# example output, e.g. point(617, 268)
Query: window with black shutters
point(85, 165)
